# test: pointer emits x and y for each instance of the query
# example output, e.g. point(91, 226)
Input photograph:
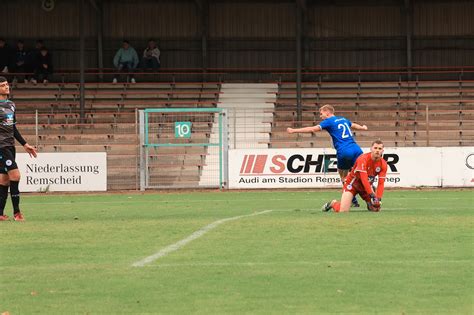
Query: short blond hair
point(327, 108)
point(378, 141)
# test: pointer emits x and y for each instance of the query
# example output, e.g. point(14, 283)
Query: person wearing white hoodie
point(151, 56)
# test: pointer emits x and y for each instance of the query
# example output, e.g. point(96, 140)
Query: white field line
point(310, 263)
point(174, 247)
point(137, 200)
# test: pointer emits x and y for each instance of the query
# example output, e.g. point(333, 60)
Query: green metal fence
point(183, 148)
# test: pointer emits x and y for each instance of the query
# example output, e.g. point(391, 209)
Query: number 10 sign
point(182, 129)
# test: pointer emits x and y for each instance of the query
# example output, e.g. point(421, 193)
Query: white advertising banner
point(84, 171)
point(458, 167)
point(317, 168)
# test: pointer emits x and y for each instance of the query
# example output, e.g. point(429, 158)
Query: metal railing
point(265, 74)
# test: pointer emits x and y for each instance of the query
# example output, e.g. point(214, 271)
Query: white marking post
point(174, 247)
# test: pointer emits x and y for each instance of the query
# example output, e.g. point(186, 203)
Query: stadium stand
point(403, 113)
point(50, 115)
point(422, 113)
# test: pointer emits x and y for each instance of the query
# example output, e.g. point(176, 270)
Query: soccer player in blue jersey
point(339, 128)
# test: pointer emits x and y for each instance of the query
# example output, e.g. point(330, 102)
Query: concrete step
point(259, 86)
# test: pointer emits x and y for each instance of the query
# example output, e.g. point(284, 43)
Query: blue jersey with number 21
point(339, 128)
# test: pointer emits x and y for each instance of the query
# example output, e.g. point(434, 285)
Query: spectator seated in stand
point(33, 57)
point(5, 57)
point(43, 66)
point(126, 60)
point(151, 57)
point(21, 61)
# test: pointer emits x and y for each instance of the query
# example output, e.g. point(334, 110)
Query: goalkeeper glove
point(374, 201)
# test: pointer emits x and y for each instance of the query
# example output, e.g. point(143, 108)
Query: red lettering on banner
point(248, 167)
point(260, 164)
point(243, 164)
point(277, 160)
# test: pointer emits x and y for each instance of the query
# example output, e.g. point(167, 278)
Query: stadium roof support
point(300, 6)
point(99, 7)
point(203, 10)
point(81, 60)
point(408, 13)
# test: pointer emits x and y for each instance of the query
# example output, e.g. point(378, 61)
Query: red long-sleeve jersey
point(363, 174)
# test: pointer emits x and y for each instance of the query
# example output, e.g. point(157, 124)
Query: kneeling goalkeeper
point(359, 181)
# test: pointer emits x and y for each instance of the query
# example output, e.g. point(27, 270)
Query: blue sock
point(354, 200)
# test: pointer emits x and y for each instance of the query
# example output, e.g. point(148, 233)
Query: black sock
point(15, 195)
point(3, 198)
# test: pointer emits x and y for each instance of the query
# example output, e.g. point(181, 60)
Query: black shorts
point(7, 159)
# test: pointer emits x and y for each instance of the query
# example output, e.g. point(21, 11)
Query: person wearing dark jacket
point(5, 57)
point(44, 66)
point(32, 59)
point(21, 60)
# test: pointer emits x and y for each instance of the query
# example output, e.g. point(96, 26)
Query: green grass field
point(74, 254)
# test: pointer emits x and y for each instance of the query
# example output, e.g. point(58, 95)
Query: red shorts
point(356, 188)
